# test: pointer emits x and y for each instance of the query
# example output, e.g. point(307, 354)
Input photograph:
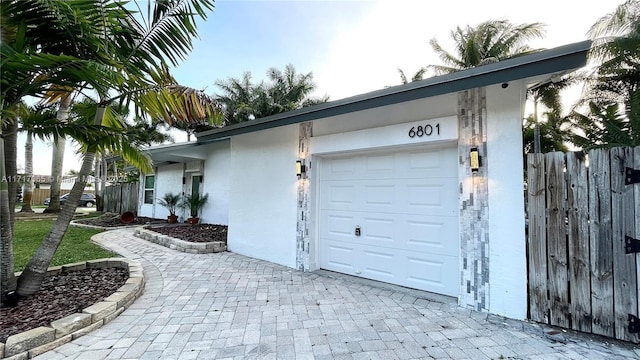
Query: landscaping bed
point(61, 295)
point(109, 220)
point(193, 233)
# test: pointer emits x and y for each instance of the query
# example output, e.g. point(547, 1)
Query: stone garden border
point(34, 342)
point(180, 245)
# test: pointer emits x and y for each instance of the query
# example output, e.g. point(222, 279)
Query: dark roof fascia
point(551, 61)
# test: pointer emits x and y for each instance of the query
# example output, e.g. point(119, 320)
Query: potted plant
point(171, 202)
point(194, 203)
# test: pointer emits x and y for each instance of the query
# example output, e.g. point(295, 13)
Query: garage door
point(392, 217)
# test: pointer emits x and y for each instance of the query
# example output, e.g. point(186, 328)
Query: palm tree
point(604, 126)
point(27, 193)
point(490, 41)
point(28, 70)
point(547, 95)
point(131, 49)
point(285, 91)
point(164, 31)
point(419, 75)
point(57, 157)
point(616, 46)
point(238, 98)
point(554, 133)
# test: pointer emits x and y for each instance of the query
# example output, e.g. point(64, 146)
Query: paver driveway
point(225, 305)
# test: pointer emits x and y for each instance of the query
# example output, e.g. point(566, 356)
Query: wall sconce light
point(474, 159)
point(300, 169)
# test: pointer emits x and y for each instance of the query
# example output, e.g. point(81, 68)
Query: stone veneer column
point(474, 209)
point(303, 220)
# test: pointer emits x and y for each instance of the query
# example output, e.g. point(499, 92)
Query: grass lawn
point(76, 245)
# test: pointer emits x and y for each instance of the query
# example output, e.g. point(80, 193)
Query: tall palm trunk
point(27, 193)
point(7, 277)
point(57, 159)
point(10, 134)
point(31, 278)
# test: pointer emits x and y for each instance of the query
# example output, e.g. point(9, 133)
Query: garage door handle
point(357, 230)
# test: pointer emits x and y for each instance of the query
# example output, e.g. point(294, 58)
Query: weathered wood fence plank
point(636, 201)
point(600, 242)
point(557, 240)
point(622, 221)
point(578, 241)
point(537, 250)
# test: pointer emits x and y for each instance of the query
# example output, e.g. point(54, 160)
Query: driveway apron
point(228, 306)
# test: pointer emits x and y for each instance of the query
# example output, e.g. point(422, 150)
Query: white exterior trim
point(386, 136)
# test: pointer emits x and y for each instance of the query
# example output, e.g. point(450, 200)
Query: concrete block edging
point(31, 343)
point(180, 245)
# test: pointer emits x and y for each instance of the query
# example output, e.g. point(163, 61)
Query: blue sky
point(351, 47)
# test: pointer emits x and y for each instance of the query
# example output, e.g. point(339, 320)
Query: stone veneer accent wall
point(474, 209)
point(303, 219)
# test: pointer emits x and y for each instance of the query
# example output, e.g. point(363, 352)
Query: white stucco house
point(418, 185)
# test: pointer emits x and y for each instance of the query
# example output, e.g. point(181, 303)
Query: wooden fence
point(583, 252)
point(121, 198)
point(40, 194)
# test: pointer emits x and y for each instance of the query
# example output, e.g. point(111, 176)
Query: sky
point(351, 47)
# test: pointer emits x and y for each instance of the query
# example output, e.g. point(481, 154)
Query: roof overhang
point(175, 153)
point(553, 63)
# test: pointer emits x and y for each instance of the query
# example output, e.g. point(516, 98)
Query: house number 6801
point(426, 130)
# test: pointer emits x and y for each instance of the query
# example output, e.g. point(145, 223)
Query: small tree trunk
point(27, 193)
point(57, 159)
point(31, 278)
point(100, 189)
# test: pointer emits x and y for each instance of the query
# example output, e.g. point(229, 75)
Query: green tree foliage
point(419, 75)
point(53, 47)
point(284, 90)
point(554, 133)
point(613, 89)
point(490, 41)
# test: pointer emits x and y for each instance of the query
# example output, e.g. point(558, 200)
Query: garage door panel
point(377, 264)
point(430, 196)
point(339, 195)
point(431, 235)
point(378, 230)
point(405, 203)
point(434, 272)
point(339, 225)
point(338, 256)
point(434, 163)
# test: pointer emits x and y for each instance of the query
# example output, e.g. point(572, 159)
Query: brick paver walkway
point(219, 306)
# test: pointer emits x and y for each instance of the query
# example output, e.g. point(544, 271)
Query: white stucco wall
point(168, 179)
point(262, 196)
point(216, 183)
point(507, 244)
point(421, 109)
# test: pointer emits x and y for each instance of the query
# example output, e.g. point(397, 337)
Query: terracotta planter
point(173, 219)
point(193, 221)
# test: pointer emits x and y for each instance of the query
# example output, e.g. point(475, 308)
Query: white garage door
point(405, 204)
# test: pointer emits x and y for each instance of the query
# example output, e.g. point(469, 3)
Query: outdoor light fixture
point(300, 169)
point(474, 159)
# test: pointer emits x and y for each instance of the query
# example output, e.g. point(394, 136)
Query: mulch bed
point(60, 295)
point(193, 233)
point(113, 220)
